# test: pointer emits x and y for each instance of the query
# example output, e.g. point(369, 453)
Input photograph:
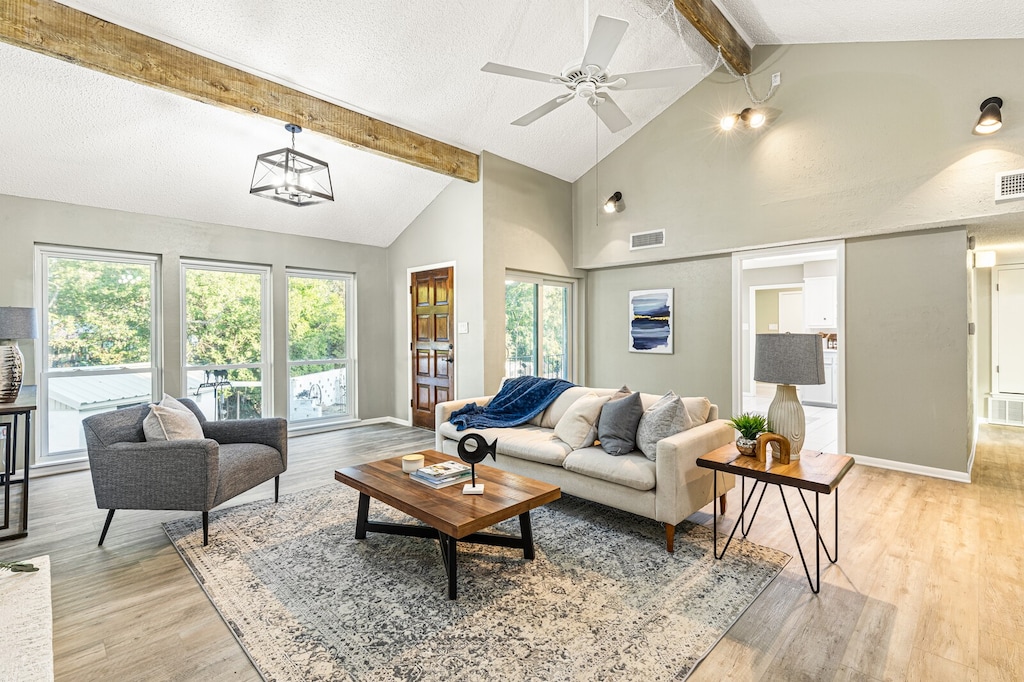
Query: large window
point(538, 327)
point(99, 341)
point(319, 346)
point(226, 337)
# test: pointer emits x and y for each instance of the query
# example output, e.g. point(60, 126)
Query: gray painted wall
point(450, 229)
point(527, 223)
point(836, 161)
point(27, 222)
point(907, 349)
point(701, 363)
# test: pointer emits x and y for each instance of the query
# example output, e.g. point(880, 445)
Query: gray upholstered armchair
point(130, 473)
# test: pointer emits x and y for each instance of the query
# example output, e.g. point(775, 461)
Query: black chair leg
point(277, 486)
point(206, 528)
point(106, 527)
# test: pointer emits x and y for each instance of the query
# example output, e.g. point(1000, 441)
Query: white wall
point(449, 230)
point(866, 139)
point(527, 220)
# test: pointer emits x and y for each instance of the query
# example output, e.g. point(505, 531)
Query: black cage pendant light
point(291, 177)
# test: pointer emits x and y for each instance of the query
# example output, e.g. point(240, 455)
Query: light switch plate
point(773, 327)
point(463, 327)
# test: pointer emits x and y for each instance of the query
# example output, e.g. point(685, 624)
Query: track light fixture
point(991, 118)
point(749, 118)
point(615, 204)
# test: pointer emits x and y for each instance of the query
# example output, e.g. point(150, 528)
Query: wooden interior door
point(432, 346)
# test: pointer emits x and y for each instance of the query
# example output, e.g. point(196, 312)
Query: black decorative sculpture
point(478, 453)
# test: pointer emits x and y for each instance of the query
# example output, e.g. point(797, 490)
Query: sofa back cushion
point(556, 410)
point(578, 426)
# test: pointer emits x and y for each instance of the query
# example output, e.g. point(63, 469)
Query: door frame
point(408, 332)
point(994, 314)
point(738, 257)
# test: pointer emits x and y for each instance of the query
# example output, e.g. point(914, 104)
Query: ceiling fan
point(590, 79)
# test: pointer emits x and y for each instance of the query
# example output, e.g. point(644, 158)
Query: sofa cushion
point(522, 442)
point(632, 470)
point(556, 410)
point(698, 408)
point(616, 428)
point(664, 418)
point(578, 426)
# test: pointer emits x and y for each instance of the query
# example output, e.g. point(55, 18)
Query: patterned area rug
point(602, 599)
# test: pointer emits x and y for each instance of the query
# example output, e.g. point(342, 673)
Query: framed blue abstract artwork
point(650, 321)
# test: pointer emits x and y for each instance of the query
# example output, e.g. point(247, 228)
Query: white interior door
point(791, 312)
point(1009, 312)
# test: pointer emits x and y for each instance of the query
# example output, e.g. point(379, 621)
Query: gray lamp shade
point(18, 323)
point(789, 359)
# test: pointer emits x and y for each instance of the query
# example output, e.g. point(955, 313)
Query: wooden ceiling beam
point(717, 30)
point(49, 28)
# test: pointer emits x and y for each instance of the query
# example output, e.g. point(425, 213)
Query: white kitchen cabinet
point(823, 395)
point(820, 302)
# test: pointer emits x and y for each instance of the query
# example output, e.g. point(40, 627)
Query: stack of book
point(442, 474)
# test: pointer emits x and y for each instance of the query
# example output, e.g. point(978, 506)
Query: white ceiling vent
point(646, 240)
point(1010, 185)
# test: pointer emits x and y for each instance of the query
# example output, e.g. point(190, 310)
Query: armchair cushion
point(170, 420)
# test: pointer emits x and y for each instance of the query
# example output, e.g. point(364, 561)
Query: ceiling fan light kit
point(590, 80)
point(291, 177)
point(991, 118)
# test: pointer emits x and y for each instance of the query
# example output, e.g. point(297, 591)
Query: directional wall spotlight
point(750, 118)
point(991, 118)
point(615, 204)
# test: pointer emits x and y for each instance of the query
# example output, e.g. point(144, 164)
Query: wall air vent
point(646, 240)
point(1010, 185)
point(1007, 410)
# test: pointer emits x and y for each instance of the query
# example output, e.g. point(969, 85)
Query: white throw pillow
point(577, 427)
point(171, 420)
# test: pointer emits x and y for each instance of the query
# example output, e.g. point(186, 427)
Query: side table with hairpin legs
point(817, 472)
point(16, 424)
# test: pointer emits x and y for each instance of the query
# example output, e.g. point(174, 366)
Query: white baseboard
point(892, 465)
point(387, 420)
point(40, 470)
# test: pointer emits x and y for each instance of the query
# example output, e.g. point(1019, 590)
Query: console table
point(817, 472)
point(16, 423)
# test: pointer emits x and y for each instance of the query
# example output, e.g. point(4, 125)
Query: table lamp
point(788, 360)
point(15, 323)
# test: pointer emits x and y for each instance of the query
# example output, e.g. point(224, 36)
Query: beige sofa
point(668, 489)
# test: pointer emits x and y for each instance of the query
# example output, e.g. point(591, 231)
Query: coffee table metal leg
point(526, 531)
point(361, 515)
point(449, 554)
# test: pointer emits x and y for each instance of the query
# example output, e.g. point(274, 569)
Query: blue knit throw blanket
point(518, 401)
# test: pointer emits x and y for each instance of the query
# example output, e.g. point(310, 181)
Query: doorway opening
point(798, 290)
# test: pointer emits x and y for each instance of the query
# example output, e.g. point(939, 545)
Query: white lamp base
point(470, 489)
point(786, 416)
point(11, 370)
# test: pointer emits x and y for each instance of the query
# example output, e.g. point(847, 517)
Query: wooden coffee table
point(451, 517)
point(817, 472)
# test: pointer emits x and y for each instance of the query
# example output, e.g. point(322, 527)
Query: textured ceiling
point(86, 138)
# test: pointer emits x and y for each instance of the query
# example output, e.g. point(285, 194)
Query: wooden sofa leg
point(206, 528)
point(721, 504)
point(106, 527)
point(670, 537)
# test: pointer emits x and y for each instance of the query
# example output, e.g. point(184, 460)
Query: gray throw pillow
point(664, 418)
point(617, 427)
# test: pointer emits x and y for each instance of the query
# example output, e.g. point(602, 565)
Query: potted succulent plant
point(750, 426)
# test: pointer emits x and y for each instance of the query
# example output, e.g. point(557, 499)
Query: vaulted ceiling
point(79, 136)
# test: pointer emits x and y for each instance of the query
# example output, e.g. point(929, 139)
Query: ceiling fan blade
point(659, 78)
point(610, 114)
point(604, 41)
point(542, 110)
point(515, 72)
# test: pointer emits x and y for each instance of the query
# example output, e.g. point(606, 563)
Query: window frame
point(350, 349)
point(266, 365)
point(571, 323)
point(43, 255)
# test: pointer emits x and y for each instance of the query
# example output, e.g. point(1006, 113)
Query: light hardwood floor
point(928, 586)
